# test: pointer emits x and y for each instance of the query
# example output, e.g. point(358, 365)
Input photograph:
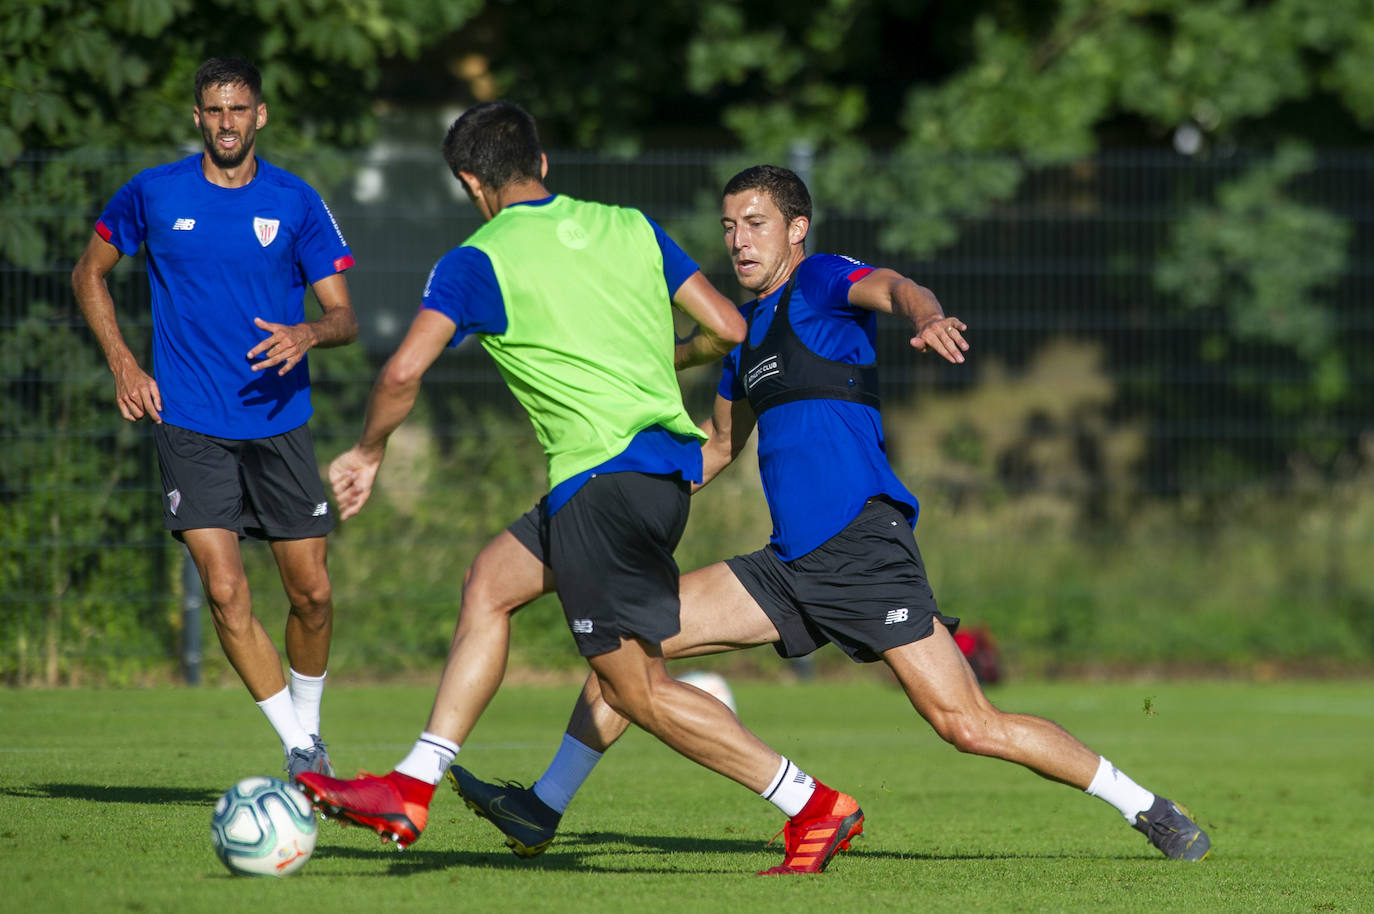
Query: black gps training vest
point(780, 369)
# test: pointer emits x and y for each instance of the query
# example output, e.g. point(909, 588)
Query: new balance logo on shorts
point(896, 615)
point(321, 509)
point(582, 626)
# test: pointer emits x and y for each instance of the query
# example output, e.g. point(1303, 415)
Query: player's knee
point(227, 597)
point(312, 600)
point(636, 706)
point(975, 735)
point(315, 609)
point(614, 700)
point(485, 595)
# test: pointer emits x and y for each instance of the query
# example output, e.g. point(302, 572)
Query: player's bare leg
point(309, 630)
point(717, 615)
point(310, 623)
point(636, 683)
point(504, 577)
point(821, 821)
point(942, 687)
point(247, 646)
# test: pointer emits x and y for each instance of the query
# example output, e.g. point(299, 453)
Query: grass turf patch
point(105, 801)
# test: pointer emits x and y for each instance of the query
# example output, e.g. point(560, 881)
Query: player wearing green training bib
point(589, 362)
point(572, 300)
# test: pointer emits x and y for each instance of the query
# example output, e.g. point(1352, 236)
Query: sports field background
point(105, 800)
point(1118, 478)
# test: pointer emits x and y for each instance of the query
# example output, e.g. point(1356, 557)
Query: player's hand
point(351, 475)
point(137, 395)
point(943, 335)
point(286, 346)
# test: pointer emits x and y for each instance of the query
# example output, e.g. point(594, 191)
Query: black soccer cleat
point(528, 823)
point(1168, 827)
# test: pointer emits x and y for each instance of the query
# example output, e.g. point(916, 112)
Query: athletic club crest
point(265, 229)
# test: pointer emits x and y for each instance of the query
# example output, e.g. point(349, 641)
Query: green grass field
point(105, 801)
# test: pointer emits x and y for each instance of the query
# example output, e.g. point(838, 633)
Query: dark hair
point(497, 142)
point(788, 192)
point(228, 71)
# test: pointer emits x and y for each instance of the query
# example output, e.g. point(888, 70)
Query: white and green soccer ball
point(263, 827)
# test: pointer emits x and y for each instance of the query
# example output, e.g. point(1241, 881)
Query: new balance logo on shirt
point(183, 225)
point(896, 615)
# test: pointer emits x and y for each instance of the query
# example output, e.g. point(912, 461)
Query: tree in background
point(924, 116)
point(927, 116)
point(1027, 86)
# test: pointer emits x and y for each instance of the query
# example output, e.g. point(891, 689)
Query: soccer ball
point(263, 827)
point(712, 683)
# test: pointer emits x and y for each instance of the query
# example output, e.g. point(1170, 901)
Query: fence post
point(192, 599)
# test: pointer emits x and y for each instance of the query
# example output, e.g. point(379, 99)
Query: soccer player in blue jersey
point(231, 244)
point(572, 299)
point(841, 565)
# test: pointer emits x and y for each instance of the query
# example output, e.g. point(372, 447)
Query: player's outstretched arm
point(890, 292)
point(719, 325)
point(136, 393)
point(287, 344)
point(353, 472)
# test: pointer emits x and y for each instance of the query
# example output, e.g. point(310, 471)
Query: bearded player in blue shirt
point(231, 244)
point(841, 565)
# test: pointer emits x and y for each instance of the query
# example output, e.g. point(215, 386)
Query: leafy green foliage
point(117, 77)
point(1262, 258)
point(1042, 88)
point(926, 117)
point(74, 527)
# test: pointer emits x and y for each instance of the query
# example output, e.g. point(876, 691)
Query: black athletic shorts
point(865, 589)
point(266, 488)
point(611, 551)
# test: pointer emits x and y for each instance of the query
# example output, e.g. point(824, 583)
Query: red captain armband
point(343, 263)
point(859, 274)
point(103, 230)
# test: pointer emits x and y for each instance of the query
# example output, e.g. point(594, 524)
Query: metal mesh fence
point(1070, 264)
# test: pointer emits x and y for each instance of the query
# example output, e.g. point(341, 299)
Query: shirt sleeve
point(826, 278)
point(124, 222)
point(320, 247)
point(463, 287)
point(677, 266)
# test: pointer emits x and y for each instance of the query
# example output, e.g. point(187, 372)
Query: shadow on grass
point(616, 852)
point(571, 853)
point(151, 795)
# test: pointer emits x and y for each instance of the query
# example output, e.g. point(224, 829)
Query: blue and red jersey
point(820, 459)
point(217, 258)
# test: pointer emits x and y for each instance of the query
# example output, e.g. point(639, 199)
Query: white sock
point(571, 766)
point(790, 788)
point(281, 714)
point(429, 759)
point(1125, 794)
point(305, 695)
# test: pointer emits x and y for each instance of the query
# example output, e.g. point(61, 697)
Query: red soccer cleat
point(396, 806)
point(821, 830)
